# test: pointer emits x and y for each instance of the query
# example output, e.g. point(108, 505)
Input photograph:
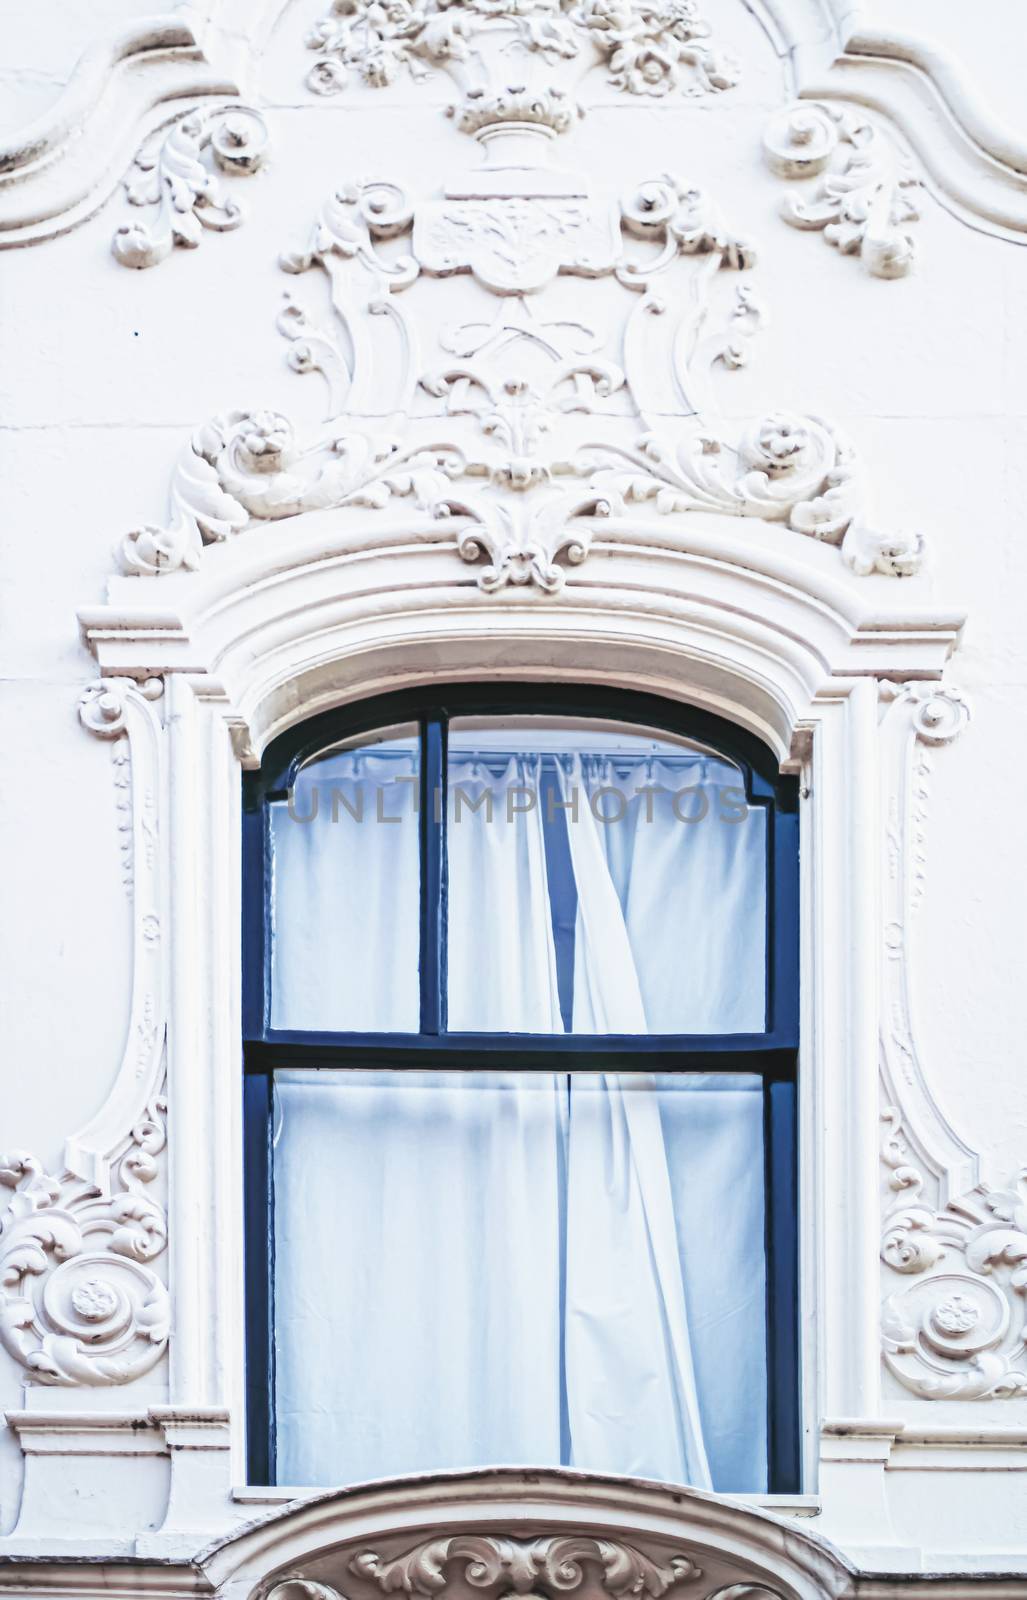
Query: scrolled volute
point(543, 1567)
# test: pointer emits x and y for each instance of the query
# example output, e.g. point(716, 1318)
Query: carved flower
point(94, 1300)
point(265, 438)
point(957, 1314)
point(644, 69)
point(782, 442)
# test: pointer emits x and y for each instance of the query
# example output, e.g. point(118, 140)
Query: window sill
point(783, 1505)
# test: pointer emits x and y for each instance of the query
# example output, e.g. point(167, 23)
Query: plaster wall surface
point(104, 375)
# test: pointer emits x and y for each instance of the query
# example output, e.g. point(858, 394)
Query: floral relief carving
point(516, 445)
point(80, 1301)
point(184, 187)
point(954, 1321)
point(959, 1331)
point(785, 468)
point(650, 47)
point(540, 1569)
point(868, 193)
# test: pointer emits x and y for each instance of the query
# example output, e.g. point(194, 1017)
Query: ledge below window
point(783, 1505)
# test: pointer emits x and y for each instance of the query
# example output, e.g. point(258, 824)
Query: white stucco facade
point(386, 365)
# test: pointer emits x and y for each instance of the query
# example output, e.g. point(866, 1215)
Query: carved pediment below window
point(497, 1534)
point(460, 1566)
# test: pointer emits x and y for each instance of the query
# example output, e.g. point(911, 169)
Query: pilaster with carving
point(80, 1301)
point(954, 1319)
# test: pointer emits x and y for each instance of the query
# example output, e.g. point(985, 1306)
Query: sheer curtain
point(535, 1267)
point(345, 894)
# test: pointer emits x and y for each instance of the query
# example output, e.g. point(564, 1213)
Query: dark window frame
point(772, 1054)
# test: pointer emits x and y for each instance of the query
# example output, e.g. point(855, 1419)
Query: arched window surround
point(772, 642)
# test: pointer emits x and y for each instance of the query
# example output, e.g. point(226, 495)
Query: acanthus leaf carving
point(959, 1331)
point(251, 462)
point(542, 1567)
point(184, 188)
point(868, 193)
point(515, 378)
point(790, 469)
point(78, 1302)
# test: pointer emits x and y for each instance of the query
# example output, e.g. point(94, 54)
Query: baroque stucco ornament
point(650, 47)
point(80, 1302)
point(958, 1330)
point(867, 193)
point(539, 1569)
point(184, 189)
point(514, 443)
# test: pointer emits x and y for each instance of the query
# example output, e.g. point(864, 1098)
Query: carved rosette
point(180, 182)
point(867, 194)
point(958, 1331)
point(79, 1302)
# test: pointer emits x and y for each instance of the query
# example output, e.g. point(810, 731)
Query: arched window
point(521, 1022)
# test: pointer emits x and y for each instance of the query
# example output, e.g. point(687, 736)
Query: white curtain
point(527, 1267)
point(346, 894)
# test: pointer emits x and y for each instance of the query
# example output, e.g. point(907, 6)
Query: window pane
point(496, 1267)
point(601, 880)
point(345, 890)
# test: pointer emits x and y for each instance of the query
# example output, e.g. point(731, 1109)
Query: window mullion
point(433, 876)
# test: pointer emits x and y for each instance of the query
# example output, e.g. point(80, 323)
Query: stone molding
point(506, 1531)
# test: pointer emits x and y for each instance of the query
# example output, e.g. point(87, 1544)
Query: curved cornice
point(975, 166)
point(62, 167)
point(336, 612)
point(763, 1547)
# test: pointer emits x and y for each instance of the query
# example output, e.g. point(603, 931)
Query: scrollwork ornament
point(185, 188)
point(940, 714)
point(785, 468)
point(79, 1303)
point(868, 194)
point(542, 1568)
point(959, 1331)
point(101, 707)
point(519, 374)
